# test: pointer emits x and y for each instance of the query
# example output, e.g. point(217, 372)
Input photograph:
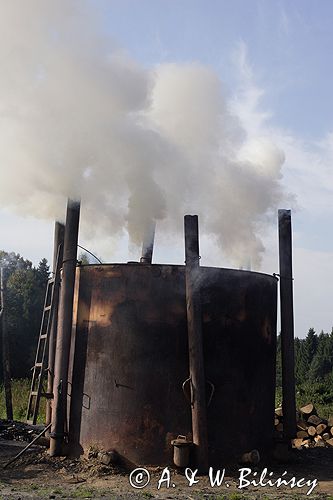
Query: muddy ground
point(38, 476)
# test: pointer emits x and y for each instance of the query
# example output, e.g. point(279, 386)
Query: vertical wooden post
point(58, 250)
point(5, 348)
point(65, 317)
point(195, 343)
point(287, 325)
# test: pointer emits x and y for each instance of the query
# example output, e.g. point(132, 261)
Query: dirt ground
point(38, 476)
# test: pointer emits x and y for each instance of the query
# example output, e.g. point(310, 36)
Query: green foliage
point(313, 371)
point(20, 394)
point(322, 363)
point(24, 296)
point(83, 492)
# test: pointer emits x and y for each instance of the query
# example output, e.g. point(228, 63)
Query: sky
point(272, 61)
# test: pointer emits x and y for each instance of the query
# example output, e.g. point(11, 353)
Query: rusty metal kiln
point(131, 358)
point(125, 351)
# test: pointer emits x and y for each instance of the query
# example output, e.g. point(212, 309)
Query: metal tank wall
point(130, 358)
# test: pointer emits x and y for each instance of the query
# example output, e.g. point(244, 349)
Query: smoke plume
point(80, 118)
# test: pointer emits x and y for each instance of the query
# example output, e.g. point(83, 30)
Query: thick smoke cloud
point(80, 118)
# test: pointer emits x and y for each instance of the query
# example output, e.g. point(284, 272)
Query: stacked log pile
point(312, 430)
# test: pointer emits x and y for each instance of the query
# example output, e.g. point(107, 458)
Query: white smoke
point(80, 118)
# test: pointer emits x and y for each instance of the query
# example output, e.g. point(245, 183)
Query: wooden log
point(329, 442)
point(297, 443)
point(312, 430)
point(308, 410)
point(278, 412)
point(330, 421)
point(195, 343)
point(302, 434)
point(314, 420)
point(302, 425)
point(287, 325)
point(320, 428)
point(326, 436)
point(331, 431)
point(276, 421)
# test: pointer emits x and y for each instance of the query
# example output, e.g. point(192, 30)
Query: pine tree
point(25, 296)
point(301, 362)
point(322, 363)
point(307, 353)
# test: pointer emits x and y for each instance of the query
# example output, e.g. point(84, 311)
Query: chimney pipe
point(195, 343)
point(148, 243)
point(65, 317)
point(287, 325)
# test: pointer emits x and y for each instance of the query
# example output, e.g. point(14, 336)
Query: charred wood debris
point(19, 431)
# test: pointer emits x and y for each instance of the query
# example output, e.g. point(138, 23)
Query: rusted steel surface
point(64, 331)
point(197, 378)
point(239, 314)
point(131, 359)
point(287, 325)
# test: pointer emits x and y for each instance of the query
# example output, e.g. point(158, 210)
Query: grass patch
point(236, 496)
point(83, 492)
point(20, 397)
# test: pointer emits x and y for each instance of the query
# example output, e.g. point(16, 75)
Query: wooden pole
point(5, 348)
point(58, 250)
point(287, 325)
point(65, 317)
point(195, 343)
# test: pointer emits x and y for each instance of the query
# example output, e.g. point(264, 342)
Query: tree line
point(313, 366)
point(24, 293)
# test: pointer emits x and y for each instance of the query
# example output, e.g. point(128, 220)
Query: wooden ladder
point(39, 369)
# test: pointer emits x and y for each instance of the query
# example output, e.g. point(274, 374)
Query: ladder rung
point(33, 405)
point(47, 395)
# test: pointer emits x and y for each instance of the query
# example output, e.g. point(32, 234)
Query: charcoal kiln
point(131, 359)
point(130, 386)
